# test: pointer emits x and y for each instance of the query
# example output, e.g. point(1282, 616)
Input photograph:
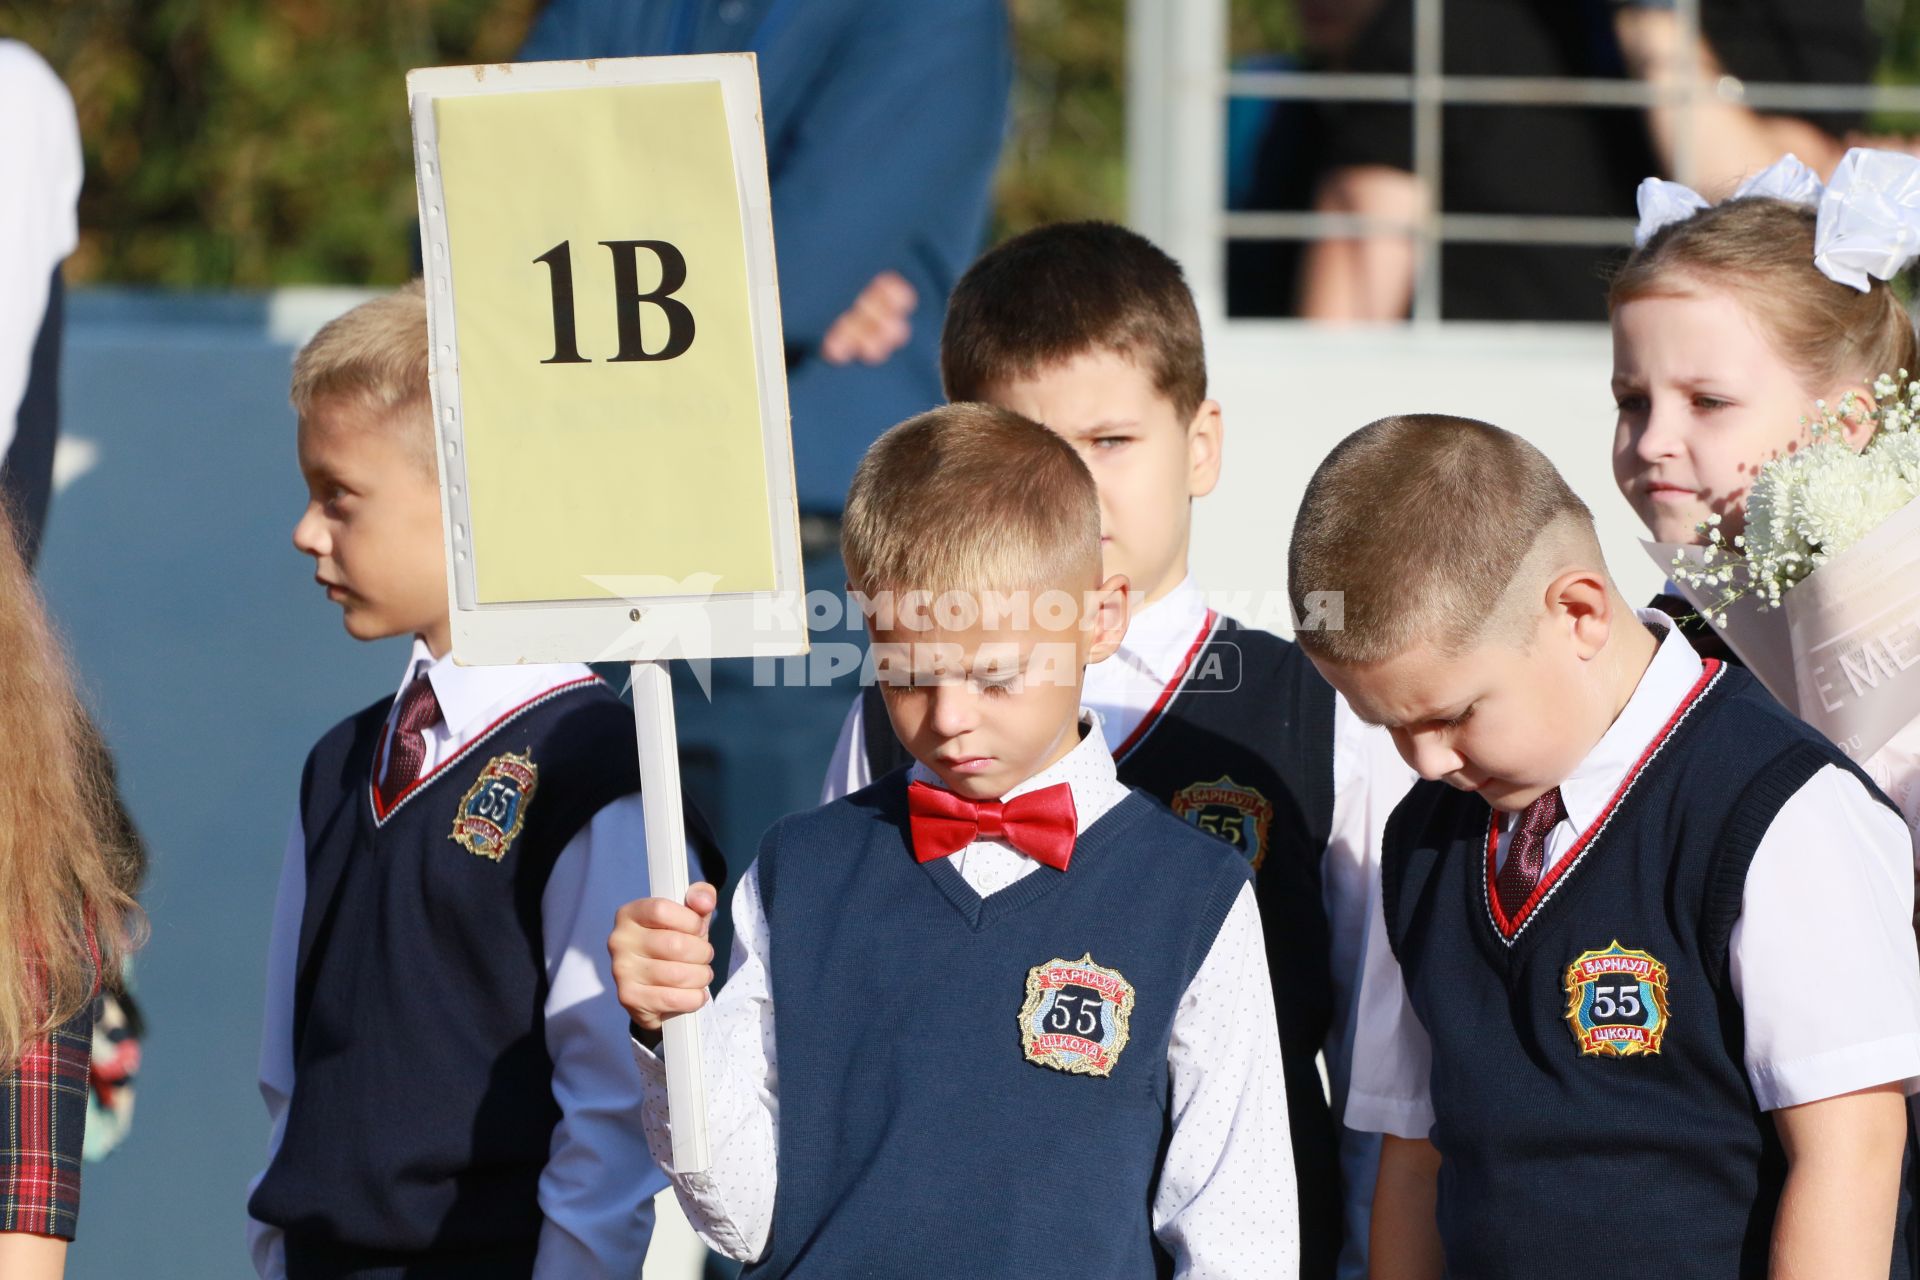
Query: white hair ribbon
point(1869, 221)
point(1664, 203)
point(1785, 179)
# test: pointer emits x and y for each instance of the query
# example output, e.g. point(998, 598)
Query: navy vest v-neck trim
point(382, 814)
point(1509, 929)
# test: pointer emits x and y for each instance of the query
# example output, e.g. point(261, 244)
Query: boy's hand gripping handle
point(667, 878)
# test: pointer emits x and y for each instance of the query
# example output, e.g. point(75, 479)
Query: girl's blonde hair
point(67, 914)
point(1761, 250)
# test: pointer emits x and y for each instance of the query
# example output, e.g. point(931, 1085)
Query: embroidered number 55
point(495, 803)
point(1075, 1012)
point(1226, 826)
point(1622, 1001)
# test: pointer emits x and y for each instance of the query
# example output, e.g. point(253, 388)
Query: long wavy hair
point(67, 914)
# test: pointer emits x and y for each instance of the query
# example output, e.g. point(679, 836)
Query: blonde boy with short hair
point(444, 1065)
point(1090, 329)
point(1646, 992)
point(995, 1013)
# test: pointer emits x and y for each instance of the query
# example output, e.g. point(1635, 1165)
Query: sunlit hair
point(971, 498)
point(1421, 524)
point(374, 356)
point(1761, 250)
point(1067, 290)
point(66, 913)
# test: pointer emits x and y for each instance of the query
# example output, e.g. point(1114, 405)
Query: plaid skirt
point(43, 1120)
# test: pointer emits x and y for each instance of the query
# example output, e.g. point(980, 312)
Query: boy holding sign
point(1090, 329)
point(1020, 1013)
point(443, 1061)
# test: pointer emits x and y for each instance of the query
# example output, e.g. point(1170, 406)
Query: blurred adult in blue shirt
point(884, 120)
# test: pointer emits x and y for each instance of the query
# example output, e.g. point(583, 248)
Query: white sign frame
point(647, 627)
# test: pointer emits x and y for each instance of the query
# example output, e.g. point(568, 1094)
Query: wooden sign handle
point(667, 878)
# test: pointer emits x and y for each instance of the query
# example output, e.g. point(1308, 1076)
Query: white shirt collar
point(1675, 669)
point(1161, 635)
point(473, 697)
point(1088, 770)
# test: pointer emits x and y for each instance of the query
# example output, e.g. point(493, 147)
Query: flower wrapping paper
point(1844, 651)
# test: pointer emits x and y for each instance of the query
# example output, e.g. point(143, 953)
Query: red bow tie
point(1040, 824)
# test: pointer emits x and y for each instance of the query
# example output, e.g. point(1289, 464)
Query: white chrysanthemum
point(1834, 503)
point(1813, 504)
point(1774, 540)
point(1899, 452)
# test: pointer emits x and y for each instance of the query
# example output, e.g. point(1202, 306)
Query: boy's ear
point(1581, 601)
point(1204, 442)
point(1111, 608)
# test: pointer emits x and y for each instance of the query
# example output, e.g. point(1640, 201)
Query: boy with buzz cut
point(1090, 329)
point(1019, 1012)
point(1647, 992)
point(447, 1072)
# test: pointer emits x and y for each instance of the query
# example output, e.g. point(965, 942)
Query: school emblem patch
point(1617, 1002)
point(495, 808)
point(1239, 815)
point(1075, 1018)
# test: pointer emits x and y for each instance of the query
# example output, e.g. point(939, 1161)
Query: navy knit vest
point(1244, 751)
point(915, 1134)
point(423, 1107)
point(1561, 1153)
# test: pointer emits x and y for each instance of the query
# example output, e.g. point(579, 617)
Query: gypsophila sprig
point(1810, 505)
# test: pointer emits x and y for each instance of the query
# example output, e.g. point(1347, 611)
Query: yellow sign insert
point(609, 386)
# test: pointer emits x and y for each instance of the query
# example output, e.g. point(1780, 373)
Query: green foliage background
point(248, 143)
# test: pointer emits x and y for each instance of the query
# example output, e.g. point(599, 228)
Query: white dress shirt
point(1895, 768)
point(1830, 891)
point(40, 171)
point(597, 1189)
point(1225, 1201)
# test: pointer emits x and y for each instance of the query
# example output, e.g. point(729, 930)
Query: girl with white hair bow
point(1733, 323)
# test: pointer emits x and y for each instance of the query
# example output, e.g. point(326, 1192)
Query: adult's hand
point(1368, 280)
point(1724, 140)
point(875, 326)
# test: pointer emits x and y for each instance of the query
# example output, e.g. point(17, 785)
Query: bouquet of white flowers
point(1821, 595)
point(1813, 504)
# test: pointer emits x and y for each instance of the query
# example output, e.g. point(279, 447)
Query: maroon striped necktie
point(407, 748)
point(1527, 852)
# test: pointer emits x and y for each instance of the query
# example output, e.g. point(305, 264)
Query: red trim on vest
point(1509, 928)
point(1147, 721)
point(382, 812)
